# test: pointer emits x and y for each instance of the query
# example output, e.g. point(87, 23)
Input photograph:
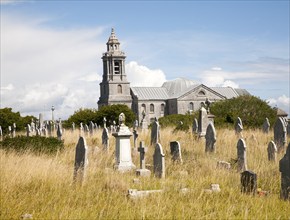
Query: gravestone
point(272, 151)
point(155, 132)
point(73, 127)
point(123, 146)
point(91, 128)
point(175, 151)
point(223, 165)
point(37, 132)
point(195, 126)
point(288, 128)
point(28, 130)
point(144, 124)
point(59, 131)
point(105, 138)
point(239, 127)
point(86, 128)
point(81, 160)
point(44, 131)
point(9, 131)
point(32, 125)
point(280, 135)
point(242, 156)
point(40, 121)
point(249, 182)
point(49, 129)
point(1, 134)
point(266, 126)
point(135, 136)
point(135, 125)
point(159, 161)
point(284, 168)
point(81, 129)
point(210, 138)
point(114, 127)
point(202, 122)
point(142, 171)
point(14, 130)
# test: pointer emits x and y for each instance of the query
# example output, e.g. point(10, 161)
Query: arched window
point(117, 67)
point(119, 89)
point(190, 106)
point(151, 108)
point(162, 108)
point(143, 108)
point(201, 92)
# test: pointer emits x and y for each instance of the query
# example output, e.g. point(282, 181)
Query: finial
point(112, 31)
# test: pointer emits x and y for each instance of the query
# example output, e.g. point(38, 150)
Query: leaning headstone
point(105, 138)
point(81, 160)
point(59, 131)
point(175, 151)
point(242, 158)
point(155, 132)
point(123, 146)
point(266, 126)
point(202, 122)
point(142, 171)
point(195, 126)
point(28, 130)
point(284, 168)
point(239, 127)
point(249, 182)
point(159, 161)
point(14, 130)
point(280, 135)
point(272, 151)
point(210, 138)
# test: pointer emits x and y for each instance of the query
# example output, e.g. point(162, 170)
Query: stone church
point(177, 96)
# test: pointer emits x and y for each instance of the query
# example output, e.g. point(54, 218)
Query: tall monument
point(115, 89)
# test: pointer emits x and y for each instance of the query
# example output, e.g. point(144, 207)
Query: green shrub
point(35, 144)
point(174, 121)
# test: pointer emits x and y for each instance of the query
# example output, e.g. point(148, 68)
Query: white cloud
point(140, 75)
point(282, 102)
point(9, 87)
point(229, 83)
point(91, 77)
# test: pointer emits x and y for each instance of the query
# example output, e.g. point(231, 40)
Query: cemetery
point(115, 171)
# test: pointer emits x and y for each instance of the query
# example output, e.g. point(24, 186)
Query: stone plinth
point(123, 149)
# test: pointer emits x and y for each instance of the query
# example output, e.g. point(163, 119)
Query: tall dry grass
point(43, 186)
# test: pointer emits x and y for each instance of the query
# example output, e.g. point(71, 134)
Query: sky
point(51, 50)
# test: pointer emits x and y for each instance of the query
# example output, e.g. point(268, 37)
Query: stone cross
point(81, 160)
point(284, 168)
point(195, 126)
point(242, 157)
point(105, 138)
point(28, 130)
point(155, 132)
point(159, 161)
point(272, 151)
point(239, 127)
point(14, 130)
point(266, 126)
point(135, 136)
point(202, 122)
point(175, 151)
point(142, 149)
point(249, 182)
point(59, 131)
point(210, 138)
point(280, 135)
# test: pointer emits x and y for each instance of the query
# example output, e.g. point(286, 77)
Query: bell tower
point(114, 88)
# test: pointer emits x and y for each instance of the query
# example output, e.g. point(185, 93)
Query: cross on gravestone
point(202, 122)
point(195, 126)
point(249, 182)
point(175, 151)
point(155, 132)
point(105, 138)
point(210, 138)
point(280, 135)
point(266, 126)
point(142, 171)
point(242, 157)
point(272, 151)
point(284, 168)
point(159, 161)
point(28, 130)
point(81, 160)
point(239, 126)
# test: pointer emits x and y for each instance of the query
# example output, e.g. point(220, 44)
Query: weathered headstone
point(280, 135)
point(195, 126)
point(135, 136)
point(86, 128)
point(9, 131)
point(91, 128)
point(14, 130)
point(105, 138)
point(249, 182)
point(266, 126)
point(81, 160)
point(135, 125)
point(159, 161)
point(272, 151)
point(81, 129)
point(142, 171)
point(114, 127)
point(73, 127)
point(202, 122)
point(123, 146)
point(242, 156)
point(155, 132)
point(1, 134)
point(175, 151)
point(284, 168)
point(210, 138)
point(59, 131)
point(49, 128)
point(28, 130)
point(40, 120)
point(239, 127)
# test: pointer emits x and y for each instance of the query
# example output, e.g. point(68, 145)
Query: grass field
point(43, 186)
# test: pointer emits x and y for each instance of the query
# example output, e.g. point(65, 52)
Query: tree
point(82, 115)
point(174, 121)
point(252, 110)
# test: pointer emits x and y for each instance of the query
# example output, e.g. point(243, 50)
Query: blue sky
point(51, 50)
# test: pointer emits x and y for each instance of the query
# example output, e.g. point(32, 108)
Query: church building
point(178, 96)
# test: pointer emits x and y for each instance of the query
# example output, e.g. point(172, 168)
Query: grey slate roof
point(242, 92)
point(179, 86)
point(150, 93)
point(228, 92)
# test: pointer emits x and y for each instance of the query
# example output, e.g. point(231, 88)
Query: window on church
point(190, 106)
point(151, 108)
point(143, 108)
point(162, 108)
point(119, 89)
point(117, 67)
